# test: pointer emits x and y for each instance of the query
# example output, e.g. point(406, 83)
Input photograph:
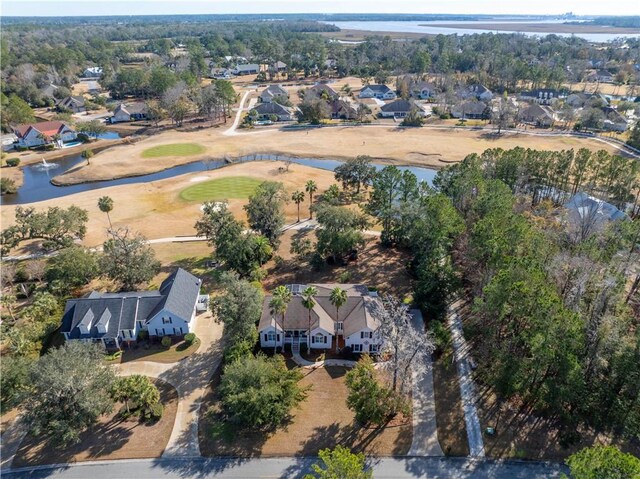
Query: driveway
point(467, 386)
point(425, 429)
point(190, 377)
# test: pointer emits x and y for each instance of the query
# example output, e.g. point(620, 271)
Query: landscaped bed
point(230, 187)
point(112, 438)
point(155, 352)
point(322, 421)
point(173, 149)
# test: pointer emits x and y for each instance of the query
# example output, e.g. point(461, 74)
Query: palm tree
point(105, 203)
point(311, 187)
point(308, 302)
point(278, 304)
point(298, 197)
point(338, 297)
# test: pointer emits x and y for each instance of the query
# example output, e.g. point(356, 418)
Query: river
point(37, 178)
point(434, 29)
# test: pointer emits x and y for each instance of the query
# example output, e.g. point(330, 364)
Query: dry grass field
point(322, 420)
point(157, 211)
point(421, 146)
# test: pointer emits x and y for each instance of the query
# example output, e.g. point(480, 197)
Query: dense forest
point(35, 55)
point(554, 317)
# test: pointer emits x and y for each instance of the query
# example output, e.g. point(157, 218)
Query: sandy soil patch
point(110, 439)
point(385, 143)
point(199, 178)
point(322, 420)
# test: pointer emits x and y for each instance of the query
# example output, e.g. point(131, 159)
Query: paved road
point(467, 386)
point(388, 468)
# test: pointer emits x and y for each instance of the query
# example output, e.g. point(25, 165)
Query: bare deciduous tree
point(407, 343)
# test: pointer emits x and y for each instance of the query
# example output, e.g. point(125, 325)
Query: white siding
point(172, 325)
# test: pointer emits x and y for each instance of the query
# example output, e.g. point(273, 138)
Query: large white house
point(116, 318)
point(43, 133)
point(354, 325)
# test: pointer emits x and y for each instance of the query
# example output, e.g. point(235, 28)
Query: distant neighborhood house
point(400, 109)
point(129, 112)
point(117, 318)
point(246, 69)
point(537, 115)
point(74, 104)
point(543, 96)
point(471, 110)
point(381, 92)
point(92, 72)
point(354, 326)
point(479, 91)
point(44, 133)
point(271, 92)
point(273, 110)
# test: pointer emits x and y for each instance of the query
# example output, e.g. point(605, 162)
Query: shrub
point(83, 137)
point(189, 338)
point(166, 341)
point(87, 153)
point(13, 161)
point(344, 277)
point(260, 392)
point(8, 186)
point(441, 335)
point(20, 148)
point(143, 335)
point(153, 412)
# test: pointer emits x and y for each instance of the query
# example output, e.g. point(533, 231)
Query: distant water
point(37, 184)
point(431, 28)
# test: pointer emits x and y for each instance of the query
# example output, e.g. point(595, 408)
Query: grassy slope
point(173, 149)
point(231, 187)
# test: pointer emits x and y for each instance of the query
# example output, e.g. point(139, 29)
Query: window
point(357, 348)
point(166, 320)
point(319, 339)
point(373, 348)
point(366, 334)
point(339, 326)
point(270, 336)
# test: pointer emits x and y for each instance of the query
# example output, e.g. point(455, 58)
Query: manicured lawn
point(111, 438)
point(155, 352)
point(321, 421)
point(230, 187)
point(173, 149)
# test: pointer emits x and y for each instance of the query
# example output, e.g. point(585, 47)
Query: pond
point(37, 184)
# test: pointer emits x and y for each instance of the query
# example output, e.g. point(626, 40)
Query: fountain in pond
point(47, 166)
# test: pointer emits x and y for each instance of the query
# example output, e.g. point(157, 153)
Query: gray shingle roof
point(398, 105)
point(120, 311)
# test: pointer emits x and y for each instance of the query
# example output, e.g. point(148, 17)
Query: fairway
point(174, 149)
point(230, 187)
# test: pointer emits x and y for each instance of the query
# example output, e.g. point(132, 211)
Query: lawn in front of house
point(173, 149)
point(111, 438)
point(226, 188)
point(321, 421)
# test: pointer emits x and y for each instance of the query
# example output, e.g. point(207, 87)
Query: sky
point(166, 7)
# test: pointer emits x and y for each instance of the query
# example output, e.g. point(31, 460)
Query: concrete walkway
point(191, 378)
point(467, 386)
point(425, 429)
